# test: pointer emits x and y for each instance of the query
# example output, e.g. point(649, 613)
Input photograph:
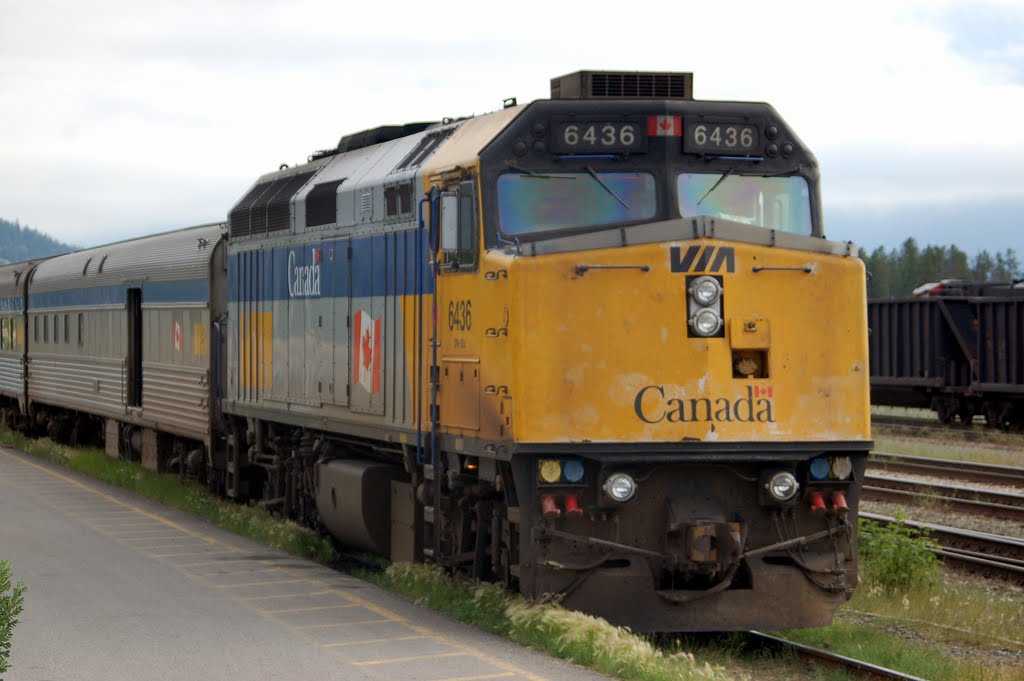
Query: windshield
point(781, 203)
point(530, 203)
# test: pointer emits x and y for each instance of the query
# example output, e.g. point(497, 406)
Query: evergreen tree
point(24, 243)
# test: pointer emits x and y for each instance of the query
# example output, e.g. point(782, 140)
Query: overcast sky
point(126, 117)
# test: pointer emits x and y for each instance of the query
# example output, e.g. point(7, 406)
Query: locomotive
point(953, 347)
point(596, 348)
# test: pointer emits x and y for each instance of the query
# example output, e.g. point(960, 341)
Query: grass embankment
point(996, 453)
point(909, 615)
point(916, 626)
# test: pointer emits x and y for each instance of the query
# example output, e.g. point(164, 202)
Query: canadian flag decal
point(177, 336)
point(664, 126)
point(366, 337)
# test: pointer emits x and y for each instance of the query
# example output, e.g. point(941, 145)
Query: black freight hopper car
point(955, 348)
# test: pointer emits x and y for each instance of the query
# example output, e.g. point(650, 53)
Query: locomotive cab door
point(458, 363)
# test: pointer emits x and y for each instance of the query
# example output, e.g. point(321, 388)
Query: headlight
point(706, 322)
point(620, 487)
point(782, 486)
point(705, 290)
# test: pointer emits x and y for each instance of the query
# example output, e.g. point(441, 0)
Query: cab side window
point(459, 226)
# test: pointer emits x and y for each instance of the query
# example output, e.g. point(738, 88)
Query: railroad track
point(977, 430)
point(855, 668)
point(946, 468)
point(1001, 505)
point(759, 645)
point(976, 552)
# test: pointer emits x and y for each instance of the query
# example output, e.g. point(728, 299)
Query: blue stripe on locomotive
point(182, 291)
point(381, 265)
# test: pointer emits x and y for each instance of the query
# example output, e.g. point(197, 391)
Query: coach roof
point(172, 256)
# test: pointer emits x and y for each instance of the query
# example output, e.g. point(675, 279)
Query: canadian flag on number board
point(664, 126)
point(366, 337)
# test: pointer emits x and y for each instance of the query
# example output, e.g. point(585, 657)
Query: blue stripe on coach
point(181, 291)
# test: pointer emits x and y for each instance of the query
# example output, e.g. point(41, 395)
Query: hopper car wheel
point(966, 412)
point(996, 413)
point(945, 408)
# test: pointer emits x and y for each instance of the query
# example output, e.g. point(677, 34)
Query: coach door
point(133, 370)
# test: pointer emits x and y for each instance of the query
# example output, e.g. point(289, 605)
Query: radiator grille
point(267, 206)
point(622, 84)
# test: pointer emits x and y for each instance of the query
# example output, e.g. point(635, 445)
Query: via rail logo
point(366, 341)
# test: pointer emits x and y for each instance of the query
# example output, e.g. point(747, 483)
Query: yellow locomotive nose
point(634, 347)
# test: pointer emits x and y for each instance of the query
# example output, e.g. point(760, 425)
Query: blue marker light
point(819, 468)
point(572, 470)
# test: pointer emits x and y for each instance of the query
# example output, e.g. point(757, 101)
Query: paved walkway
point(121, 588)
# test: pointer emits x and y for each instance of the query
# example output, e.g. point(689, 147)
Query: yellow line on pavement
point(368, 641)
point(413, 658)
point(336, 606)
point(479, 677)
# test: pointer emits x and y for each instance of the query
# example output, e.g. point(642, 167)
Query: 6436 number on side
point(460, 315)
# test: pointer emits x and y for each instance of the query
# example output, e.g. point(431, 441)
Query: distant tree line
point(897, 272)
point(24, 243)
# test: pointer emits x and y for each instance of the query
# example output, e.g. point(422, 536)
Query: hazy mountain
point(24, 243)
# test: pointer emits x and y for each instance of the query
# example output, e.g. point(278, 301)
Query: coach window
point(35, 329)
point(67, 330)
point(458, 226)
point(46, 329)
point(3, 334)
point(81, 327)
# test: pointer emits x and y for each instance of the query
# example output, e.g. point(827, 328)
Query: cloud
point(128, 115)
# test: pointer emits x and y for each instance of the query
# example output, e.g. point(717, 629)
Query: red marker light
point(817, 502)
point(572, 505)
point(839, 501)
point(549, 507)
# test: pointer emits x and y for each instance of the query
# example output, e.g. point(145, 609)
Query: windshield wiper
point(726, 174)
point(606, 187)
point(533, 173)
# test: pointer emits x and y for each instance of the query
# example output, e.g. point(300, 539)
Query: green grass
point(583, 639)
point(885, 647)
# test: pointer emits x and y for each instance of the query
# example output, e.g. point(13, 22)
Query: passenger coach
point(120, 336)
